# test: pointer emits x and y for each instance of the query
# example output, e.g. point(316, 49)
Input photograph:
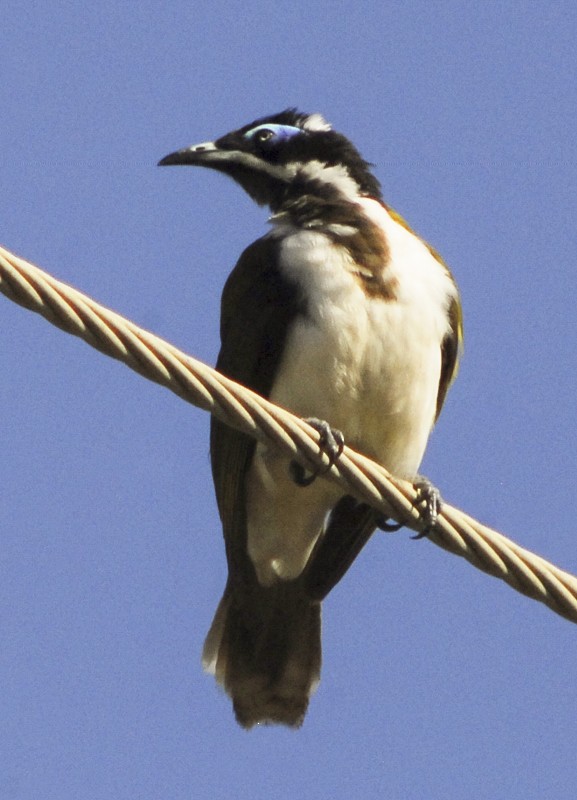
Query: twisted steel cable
point(241, 408)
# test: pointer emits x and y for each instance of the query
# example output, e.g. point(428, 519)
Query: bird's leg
point(429, 502)
point(331, 442)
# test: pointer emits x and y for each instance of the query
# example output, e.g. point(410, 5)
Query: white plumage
point(368, 366)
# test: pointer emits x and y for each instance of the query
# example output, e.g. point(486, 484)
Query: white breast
point(371, 367)
point(368, 366)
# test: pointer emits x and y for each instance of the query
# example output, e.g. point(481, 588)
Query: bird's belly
point(371, 369)
point(367, 363)
point(376, 380)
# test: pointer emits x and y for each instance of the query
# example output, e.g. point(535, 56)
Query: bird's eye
point(271, 134)
point(263, 135)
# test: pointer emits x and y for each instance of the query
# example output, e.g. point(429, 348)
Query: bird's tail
point(265, 650)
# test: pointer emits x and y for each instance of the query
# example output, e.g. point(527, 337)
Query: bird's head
point(275, 156)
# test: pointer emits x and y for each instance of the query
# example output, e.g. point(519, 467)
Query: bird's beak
point(205, 153)
point(258, 177)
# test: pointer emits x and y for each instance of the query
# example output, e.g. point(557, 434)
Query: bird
point(339, 313)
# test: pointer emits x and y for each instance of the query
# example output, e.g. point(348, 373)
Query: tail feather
point(265, 650)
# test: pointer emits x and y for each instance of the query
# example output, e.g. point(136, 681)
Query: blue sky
point(438, 681)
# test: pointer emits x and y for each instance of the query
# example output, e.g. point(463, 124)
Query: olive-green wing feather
point(450, 352)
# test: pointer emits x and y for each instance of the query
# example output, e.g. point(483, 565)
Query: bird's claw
point(383, 524)
point(331, 442)
point(430, 503)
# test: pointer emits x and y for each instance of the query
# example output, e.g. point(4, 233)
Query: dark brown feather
point(266, 641)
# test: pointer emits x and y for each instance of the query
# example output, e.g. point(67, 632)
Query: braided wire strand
point(199, 384)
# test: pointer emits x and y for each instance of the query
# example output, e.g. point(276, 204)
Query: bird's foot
point(331, 442)
point(430, 503)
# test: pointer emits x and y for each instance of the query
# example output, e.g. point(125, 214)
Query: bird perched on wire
point(341, 313)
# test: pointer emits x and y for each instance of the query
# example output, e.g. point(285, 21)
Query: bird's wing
point(258, 305)
point(450, 352)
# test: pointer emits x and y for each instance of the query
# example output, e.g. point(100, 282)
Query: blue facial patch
point(280, 132)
